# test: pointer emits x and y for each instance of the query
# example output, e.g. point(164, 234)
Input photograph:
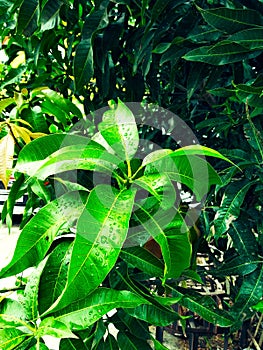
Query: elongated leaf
point(101, 232)
point(129, 341)
point(54, 276)
point(250, 38)
point(28, 17)
point(230, 206)
point(50, 11)
point(57, 329)
point(30, 298)
point(5, 103)
point(37, 236)
point(143, 260)
point(204, 306)
point(250, 293)
point(34, 154)
point(174, 241)
point(111, 343)
point(240, 265)
point(160, 186)
point(11, 337)
point(158, 345)
point(120, 131)
point(12, 313)
point(72, 344)
point(244, 240)
point(83, 61)
point(90, 156)
point(83, 313)
point(231, 20)
point(220, 54)
point(7, 148)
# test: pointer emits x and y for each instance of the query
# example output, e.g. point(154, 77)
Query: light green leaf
point(143, 260)
point(119, 129)
point(158, 345)
point(83, 313)
point(12, 313)
point(55, 328)
point(90, 156)
point(5, 103)
point(231, 20)
point(101, 232)
point(33, 155)
point(37, 236)
point(11, 337)
point(28, 17)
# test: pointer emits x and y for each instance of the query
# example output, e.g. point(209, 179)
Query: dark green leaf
point(28, 17)
point(129, 341)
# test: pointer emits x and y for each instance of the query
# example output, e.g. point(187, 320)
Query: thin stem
point(129, 169)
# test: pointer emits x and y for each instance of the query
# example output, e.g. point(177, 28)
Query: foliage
point(192, 57)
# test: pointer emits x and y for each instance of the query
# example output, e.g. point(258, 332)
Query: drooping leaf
point(204, 306)
point(129, 341)
point(37, 236)
point(83, 313)
point(33, 155)
point(55, 328)
point(49, 13)
point(231, 20)
point(143, 260)
point(54, 276)
point(220, 54)
point(11, 337)
point(101, 232)
point(119, 129)
point(250, 292)
point(240, 265)
point(230, 206)
point(7, 148)
point(28, 17)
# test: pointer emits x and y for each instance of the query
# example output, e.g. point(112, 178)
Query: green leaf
point(49, 13)
point(170, 231)
point(55, 328)
point(37, 236)
point(119, 129)
point(83, 313)
point(231, 20)
point(244, 240)
point(28, 17)
point(240, 265)
point(205, 306)
point(30, 298)
point(249, 294)
point(111, 343)
point(83, 60)
point(12, 313)
point(143, 260)
point(101, 232)
point(250, 38)
point(230, 206)
point(129, 341)
point(225, 52)
point(33, 155)
point(72, 344)
point(160, 186)
point(6, 102)
point(158, 345)
point(11, 337)
point(90, 156)
point(54, 276)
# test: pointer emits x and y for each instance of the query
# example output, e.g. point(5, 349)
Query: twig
point(253, 340)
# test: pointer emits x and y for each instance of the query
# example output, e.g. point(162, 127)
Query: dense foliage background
point(199, 59)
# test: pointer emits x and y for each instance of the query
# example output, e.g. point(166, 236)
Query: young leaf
point(119, 129)
point(7, 148)
point(83, 313)
point(101, 232)
point(37, 236)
